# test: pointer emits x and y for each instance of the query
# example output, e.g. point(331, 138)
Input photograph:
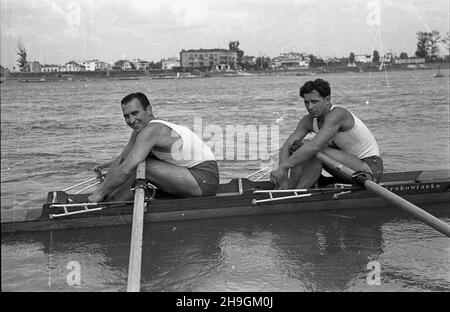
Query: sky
point(58, 31)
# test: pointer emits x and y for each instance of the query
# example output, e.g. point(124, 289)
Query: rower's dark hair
point(138, 95)
point(320, 85)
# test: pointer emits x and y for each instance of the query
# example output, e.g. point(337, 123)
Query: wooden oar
point(394, 199)
point(134, 268)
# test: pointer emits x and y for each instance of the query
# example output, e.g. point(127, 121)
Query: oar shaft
point(422, 215)
point(134, 268)
point(419, 213)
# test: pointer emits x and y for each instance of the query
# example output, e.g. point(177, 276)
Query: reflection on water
point(324, 251)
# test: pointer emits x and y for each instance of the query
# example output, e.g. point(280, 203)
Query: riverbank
point(169, 74)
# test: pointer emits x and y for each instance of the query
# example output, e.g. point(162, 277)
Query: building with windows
point(208, 59)
point(412, 60)
point(290, 60)
point(49, 68)
point(34, 66)
point(140, 64)
point(73, 66)
point(363, 58)
point(388, 57)
point(123, 65)
point(170, 63)
point(93, 65)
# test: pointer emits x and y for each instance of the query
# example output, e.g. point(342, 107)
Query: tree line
point(427, 47)
point(428, 44)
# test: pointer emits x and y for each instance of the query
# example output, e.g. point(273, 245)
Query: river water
point(52, 133)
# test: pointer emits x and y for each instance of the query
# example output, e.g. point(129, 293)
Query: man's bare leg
point(312, 169)
point(171, 179)
point(283, 183)
point(294, 175)
point(123, 192)
point(347, 160)
point(310, 174)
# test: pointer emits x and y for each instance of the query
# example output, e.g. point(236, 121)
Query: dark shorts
point(375, 164)
point(207, 176)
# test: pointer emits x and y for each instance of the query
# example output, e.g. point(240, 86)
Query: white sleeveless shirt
point(188, 152)
point(357, 141)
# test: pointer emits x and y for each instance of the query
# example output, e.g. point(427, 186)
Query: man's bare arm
point(142, 146)
point(300, 132)
point(331, 126)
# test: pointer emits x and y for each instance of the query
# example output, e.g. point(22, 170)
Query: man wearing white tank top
point(339, 134)
point(178, 162)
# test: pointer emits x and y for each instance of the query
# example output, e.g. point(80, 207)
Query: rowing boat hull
point(98, 221)
point(418, 187)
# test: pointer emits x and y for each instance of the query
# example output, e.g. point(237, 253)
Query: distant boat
point(30, 80)
point(305, 73)
point(128, 78)
point(438, 74)
point(178, 76)
point(165, 77)
point(243, 73)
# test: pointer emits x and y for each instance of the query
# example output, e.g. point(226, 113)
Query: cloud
point(146, 8)
point(199, 15)
point(55, 7)
point(180, 12)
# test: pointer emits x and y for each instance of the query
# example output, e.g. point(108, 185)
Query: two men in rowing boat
point(339, 134)
point(178, 162)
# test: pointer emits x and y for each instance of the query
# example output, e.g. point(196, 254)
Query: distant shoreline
point(161, 74)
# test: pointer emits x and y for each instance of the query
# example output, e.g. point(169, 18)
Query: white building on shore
point(290, 60)
point(411, 60)
point(170, 63)
point(34, 66)
point(50, 68)
point(93, 65)
point(74, 66)
point(140, 64)
point(123, 65)
point(363, 58)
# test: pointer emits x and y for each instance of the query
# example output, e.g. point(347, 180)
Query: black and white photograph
point(226, 152)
